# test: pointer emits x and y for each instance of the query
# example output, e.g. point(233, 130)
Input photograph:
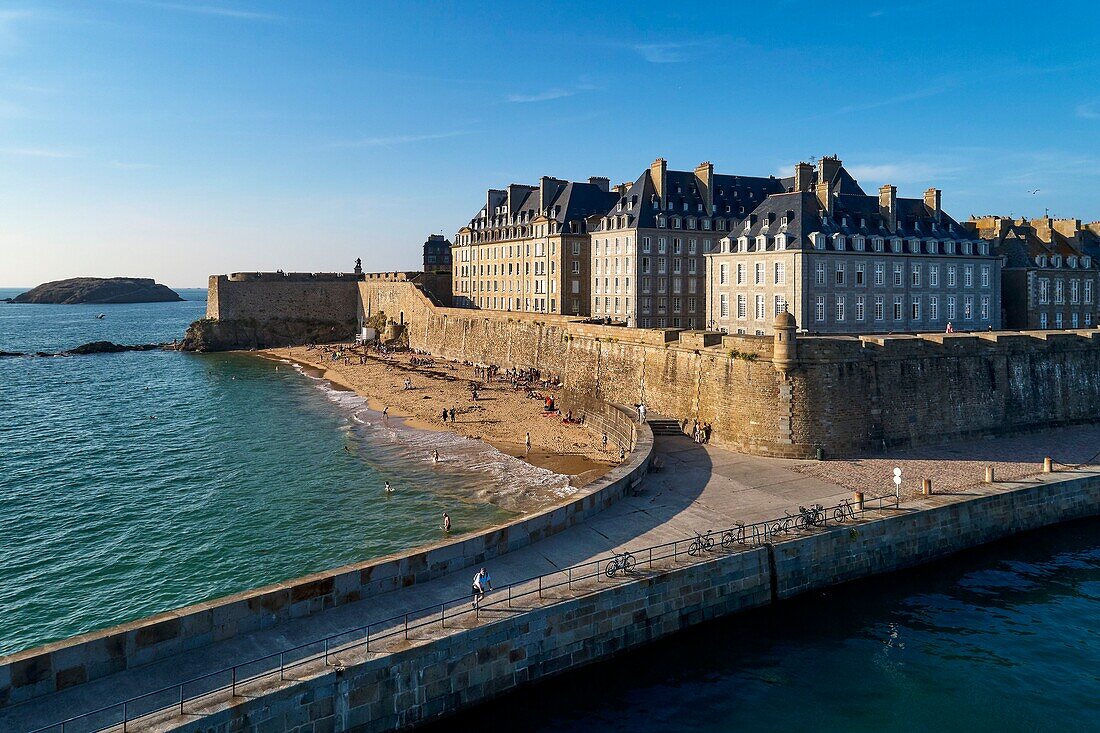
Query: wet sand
point(501, 416)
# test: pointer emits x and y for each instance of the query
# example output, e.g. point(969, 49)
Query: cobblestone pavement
point(960, 463)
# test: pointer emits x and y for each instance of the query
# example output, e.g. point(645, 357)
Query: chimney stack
point(657, 171)
point(888, 205)
point(803, 177)
point(824, 196)
point(704, 179)
point(827, 168)
point(932, 201)
point(604, 184)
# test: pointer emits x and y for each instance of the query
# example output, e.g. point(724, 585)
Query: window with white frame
point(723, 305)
point(740, 273)
point(968, 276)
point(1042, 320)
point(1044, 290)
point(983, 306)
point(899, 274)
point(860, 304)
point(759, 274)
point(1088, 292)
point(819, 308)
point(914, 275)
point(952, 313)
point(1058, 319)
point(761, 313)
point(1088, 318)
point(1073, 320)
point(1075, 291)
point(1059, 292)
point(914, 311)
point(780, 274)
point(934, 275)
point(723, 274)
point(898, 308)
point(819, 273)
point(880, 308)
point(742, 306)
point(968, 307)
point(841, 269)
point(780, 304)
point(859, 276)
point(951, 276)
point(880, 273)
point(840, 309)
point(933, 308)
point(985, 276)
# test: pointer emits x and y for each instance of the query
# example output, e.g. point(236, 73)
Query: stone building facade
point(528, 249)
point(842, 261)
point(437, 254)
point(1051, 270)
point(648, 248)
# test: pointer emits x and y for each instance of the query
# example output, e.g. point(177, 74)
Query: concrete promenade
point(699, 488)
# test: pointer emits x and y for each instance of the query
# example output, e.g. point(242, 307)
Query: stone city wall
point(63, 664)
point(842, 394)
point(435, 678)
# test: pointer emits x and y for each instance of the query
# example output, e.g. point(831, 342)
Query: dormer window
point(1041, 260)
point(877, 244)
point(895, 245)
point(914, 246)
point(949, 247)
point(819, 241)
point(968, 248)
point(1056, 261)
point(761, 243)
point(783, 221)
point(983, 248)
point(1071, 261)
point(858, 243)
point(742, 244)
point(930, 246)
point(838, 242)
point(698, 207)
point(780, 242)
point(1086, 261)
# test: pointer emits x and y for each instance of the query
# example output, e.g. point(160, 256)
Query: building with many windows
point(528, 248)
point(842, 261)
point(648, 248)
point(437, 254)
point(1051, 270)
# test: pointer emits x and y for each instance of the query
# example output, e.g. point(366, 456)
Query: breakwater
point(437, 677)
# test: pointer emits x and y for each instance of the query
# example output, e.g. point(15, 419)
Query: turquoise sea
point(139, 482)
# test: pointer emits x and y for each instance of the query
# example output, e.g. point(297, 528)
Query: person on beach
point(446, 522)
point(386, 411)
point(452, 414)
point(527, 442)
point(482, 582)
point(444, 414)
point(605, 440)
point(435, 459)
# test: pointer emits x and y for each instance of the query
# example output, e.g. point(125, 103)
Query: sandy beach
point(501, 416)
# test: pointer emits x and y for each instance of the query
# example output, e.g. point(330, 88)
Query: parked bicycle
point(702, 543)
point(813, 516)
point(622, 563)
point(844, 511)
point(730, 536)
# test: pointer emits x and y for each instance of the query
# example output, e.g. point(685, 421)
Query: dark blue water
point(1000, 638)
point(139, 482)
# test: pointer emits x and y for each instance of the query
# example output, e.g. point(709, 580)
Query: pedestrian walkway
point(699, 488)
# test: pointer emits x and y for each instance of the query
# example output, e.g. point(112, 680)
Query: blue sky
point(177, 139)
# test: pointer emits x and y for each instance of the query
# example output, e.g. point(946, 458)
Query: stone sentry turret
point(785, 343)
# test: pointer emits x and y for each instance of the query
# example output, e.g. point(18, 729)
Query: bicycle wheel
point(612, 567)
point(708, 543)
point(694, 548)
point(727, 539)
point(628, 564)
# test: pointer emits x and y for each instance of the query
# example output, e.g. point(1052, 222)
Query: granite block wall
point(429, 681)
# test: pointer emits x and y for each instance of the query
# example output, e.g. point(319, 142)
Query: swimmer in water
point(435, 456)
point(388, 489)
point(446, 522)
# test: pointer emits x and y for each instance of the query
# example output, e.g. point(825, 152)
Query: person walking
point(482, 582)
point(527, 442)
point(452, 414)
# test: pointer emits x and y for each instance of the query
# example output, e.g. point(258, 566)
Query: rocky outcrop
point(100, 291)
point(247, 333)
point(96, 347)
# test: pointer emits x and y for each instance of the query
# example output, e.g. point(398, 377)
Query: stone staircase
point(664, 426)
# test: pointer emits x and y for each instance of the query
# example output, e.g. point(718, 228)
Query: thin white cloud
point(662, 53)
point(899, 99)
point(386, 141)
point(545, 96)
point(38, 153)
point(215, 10)
point(1089, 111)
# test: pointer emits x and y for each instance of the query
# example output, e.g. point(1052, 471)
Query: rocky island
point(100, 291)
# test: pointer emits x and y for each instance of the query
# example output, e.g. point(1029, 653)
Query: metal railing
point(325, 653)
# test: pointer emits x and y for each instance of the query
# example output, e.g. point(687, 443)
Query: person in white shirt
point(482, 582)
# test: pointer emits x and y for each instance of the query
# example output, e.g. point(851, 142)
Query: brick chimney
point(824, 196)
point(888, 205)
point(932, 201)
point(827, 168)
point(803, 177)
point(704, 179)
point(657, 174)
point(604, 184)
point(546, 191)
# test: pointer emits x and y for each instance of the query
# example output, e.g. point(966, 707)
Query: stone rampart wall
point(844, 394)
point(273, 296)
point(56, 666)
point(433, 679)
